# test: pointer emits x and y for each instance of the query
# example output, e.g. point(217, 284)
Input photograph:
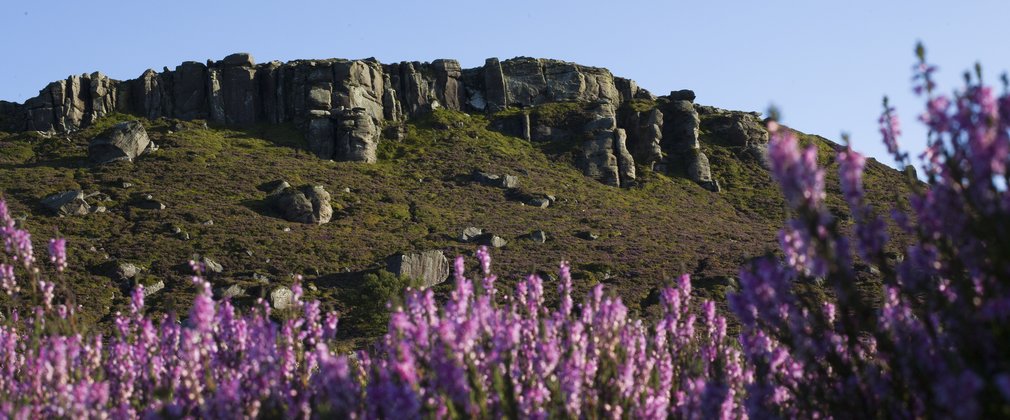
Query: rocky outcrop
point(737, 129)
point(124, 141)
point(429, 267)
point(342, 106)
point(680, 126)
point(236, 91)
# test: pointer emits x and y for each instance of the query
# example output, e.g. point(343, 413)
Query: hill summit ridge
point(345, 107)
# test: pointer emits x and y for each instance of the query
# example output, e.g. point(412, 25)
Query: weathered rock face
point(341, 106)
point(496, 94)
point(645, 135)
point(739, 129)
point(605, 156)
point(307, 204)
point(189, 90)
point(531, 81)
point(12, 116)
point(357, 136)
point(430, 267)
point(680, 126)
point(124, 141)
point(235, 91)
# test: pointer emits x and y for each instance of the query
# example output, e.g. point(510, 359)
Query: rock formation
point(344, 106)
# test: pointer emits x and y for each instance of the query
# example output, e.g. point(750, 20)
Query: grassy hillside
point(417, 197)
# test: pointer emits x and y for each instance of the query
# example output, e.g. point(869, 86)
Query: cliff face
point(342, 106)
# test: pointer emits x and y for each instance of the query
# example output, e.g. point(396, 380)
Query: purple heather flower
point(802, 181)
point(7, 279)
point(890, 130)
point(58, 253)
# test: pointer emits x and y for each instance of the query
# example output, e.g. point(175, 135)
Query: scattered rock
point(430, 267)
point(538, 236)
point(589, 236)
point(126, 271)
point(212, 266)
point(148, 202)
point(281, 298)
point(231, 292)
point(67, 203)
point(494, 180)
point(307, 204)
point(97, 196)
point(471, 233)
point(542, 202)
point(509, 181)
point(154, 288)
point(124, 141)
point(493, 241)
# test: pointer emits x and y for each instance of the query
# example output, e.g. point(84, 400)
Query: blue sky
point(825, 64)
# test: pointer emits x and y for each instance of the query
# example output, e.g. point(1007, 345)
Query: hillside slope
point(694, 196)
point(418, 196)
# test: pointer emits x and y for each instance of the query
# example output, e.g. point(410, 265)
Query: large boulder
point(307, 204)
point(430, 267)
point(67, 203)
point(281, 298)
point(124, 141)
